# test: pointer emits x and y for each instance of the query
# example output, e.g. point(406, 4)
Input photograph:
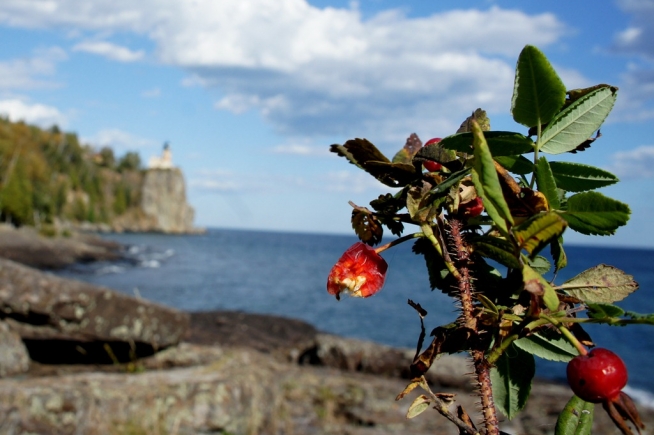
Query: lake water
point(285, 274)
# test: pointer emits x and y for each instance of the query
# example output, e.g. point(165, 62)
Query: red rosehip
point(472, 208)
point(430, 165)
point(360, 272)
point(598, 376)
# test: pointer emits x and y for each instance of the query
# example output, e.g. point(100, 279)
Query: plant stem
point(443, 409)
point(536, 148)
point(567, 334)
point(397, 241)
point(468, 320)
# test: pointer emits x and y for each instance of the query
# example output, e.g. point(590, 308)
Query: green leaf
point(358, 151)
point(511, 378)
point(600, 284)
point(534, 233)
point(419, 405)
point(576, 418)
point(603, 311)
point(439, 277)
point(453, 179)
point(497, 249)
point(421, 204)
point(538, 92)
point(575, 177)
point(487, 183)
point(411, 147)
point(500, 143)
point(478, 115)
point(558, 254)
point(540, 264)
point(594, 213)
point(645, 318)
point(391, 174)
point(488, 304)
point(546, 183)
point(386, 207)
point(535, 284)
point(548, 345)
point(516, 164)
point(437, 153)
point(577, 122)
point(365, 155)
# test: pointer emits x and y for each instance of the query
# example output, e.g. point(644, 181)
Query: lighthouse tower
point(165, 161)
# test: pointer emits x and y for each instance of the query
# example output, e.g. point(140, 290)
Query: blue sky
point(250, 94)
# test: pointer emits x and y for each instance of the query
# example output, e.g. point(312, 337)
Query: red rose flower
point(360, 272)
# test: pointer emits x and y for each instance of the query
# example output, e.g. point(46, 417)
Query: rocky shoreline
point(24, 245)
point(81, 359)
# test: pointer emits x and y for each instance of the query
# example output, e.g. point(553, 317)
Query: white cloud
point(151, 93)
point(227, 181)
point(636, 104)
point(323, 72)
point(109, 50)
point(29, 73)
point(301, 150)
point(638, 37)
point(352, 182)
point(634, 164)
point(119, 140)
point(32, 113)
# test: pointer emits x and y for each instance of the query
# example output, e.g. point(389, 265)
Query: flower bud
point(360, 272)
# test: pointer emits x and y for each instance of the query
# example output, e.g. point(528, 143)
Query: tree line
point(48, 175)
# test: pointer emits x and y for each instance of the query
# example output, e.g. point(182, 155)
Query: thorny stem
point(482, 367)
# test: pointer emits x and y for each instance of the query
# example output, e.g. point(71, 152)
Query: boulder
point(299, 342)
point(14, 358)
point(60, 318)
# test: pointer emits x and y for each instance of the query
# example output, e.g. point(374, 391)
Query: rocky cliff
point(162, 206)
point(163, 198)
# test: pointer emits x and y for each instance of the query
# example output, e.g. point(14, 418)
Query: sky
point(251, 93)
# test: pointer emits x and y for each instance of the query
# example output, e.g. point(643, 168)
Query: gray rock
point(14, 358)
point(241, 391)
point(40, 306)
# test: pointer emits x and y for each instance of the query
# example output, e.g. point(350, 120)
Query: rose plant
point(479, 198)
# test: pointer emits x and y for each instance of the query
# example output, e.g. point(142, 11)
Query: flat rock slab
point(27, 247)
point(40, 306)
point(242, 391)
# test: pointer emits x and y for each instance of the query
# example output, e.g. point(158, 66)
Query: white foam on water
point(642, 397)
point(110, 269)
point(152, 264)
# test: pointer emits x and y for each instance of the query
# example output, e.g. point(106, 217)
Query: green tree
point(107, 158)
point(131, 161)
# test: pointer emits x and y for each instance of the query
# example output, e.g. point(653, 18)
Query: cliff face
point(163, 201)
